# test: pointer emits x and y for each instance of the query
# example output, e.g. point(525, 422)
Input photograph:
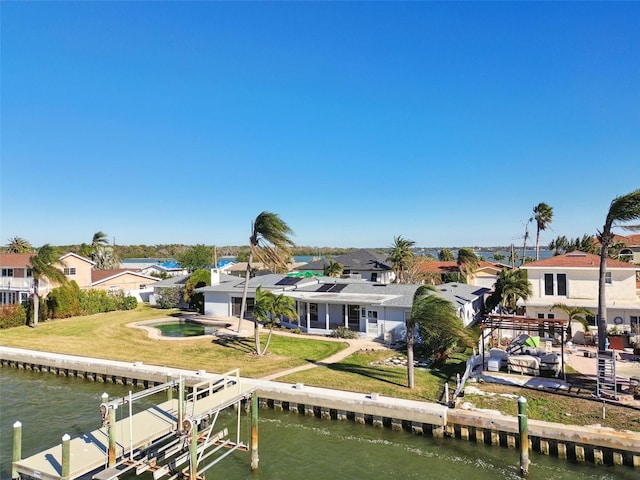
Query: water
point(292, 446)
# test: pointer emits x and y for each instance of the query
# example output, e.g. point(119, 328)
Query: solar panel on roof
point(338, 287)
point(325, 287)
point(288, 281)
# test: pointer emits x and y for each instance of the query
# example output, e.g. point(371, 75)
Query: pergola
point(530, 326)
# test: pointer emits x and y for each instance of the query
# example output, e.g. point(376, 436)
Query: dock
point(141, 441)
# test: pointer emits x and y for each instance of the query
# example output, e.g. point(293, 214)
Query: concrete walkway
point(354, 345)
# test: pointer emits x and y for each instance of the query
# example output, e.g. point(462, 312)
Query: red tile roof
point(577, 259)
point(452, 266)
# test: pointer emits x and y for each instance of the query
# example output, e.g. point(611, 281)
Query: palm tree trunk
point(266, 346)
point(36, 307)
point(538, 245)
point(410, 341)
point(245, 289)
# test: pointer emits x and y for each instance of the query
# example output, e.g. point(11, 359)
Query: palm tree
point(623, 209)
point(543, 215)
point(19, 245)
point(269, 243)
point(333, 269)
point(498, 257)
point(401, 256)
point(422, 292)
point(281, 306)
point(445, 255)
point(559, 245)
point(43, 265)
point(468, 262)
point(511, 286)
point(574, 314)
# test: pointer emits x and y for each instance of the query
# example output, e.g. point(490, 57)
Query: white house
point(325, 303)
point(572, 279)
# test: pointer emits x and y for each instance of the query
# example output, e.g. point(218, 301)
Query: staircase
point(607, 385)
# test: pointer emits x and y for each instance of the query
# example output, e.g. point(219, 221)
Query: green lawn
point(107, 336)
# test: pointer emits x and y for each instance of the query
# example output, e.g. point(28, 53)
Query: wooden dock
point(89, 452)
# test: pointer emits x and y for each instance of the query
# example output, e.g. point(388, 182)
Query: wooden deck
point(89, 451)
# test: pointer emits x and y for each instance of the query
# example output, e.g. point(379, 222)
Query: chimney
point(215, 276)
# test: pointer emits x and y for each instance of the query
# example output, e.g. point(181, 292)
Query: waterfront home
point(323, 304)
point(631, 250)
point(16, 279)
point(365, 264)
point(442, 271)
point(572, 279)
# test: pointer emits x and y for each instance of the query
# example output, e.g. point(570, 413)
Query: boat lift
point(172, 440)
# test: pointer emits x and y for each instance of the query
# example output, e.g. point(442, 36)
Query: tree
point(269, 243)
point(43, 266)
point(195, 258)
point(445, 255)
point(104, 255)
point(543, 216)
point(468, 262)
point(511, 286)
point(420, 293)
point(559, 245)
point(623, 209)
point(333, 269)
point(498, 257)
point(574, 314)
point(199, 278)
point(268, 308)
point(19, 245)
point(401, 256)
point(440, 328)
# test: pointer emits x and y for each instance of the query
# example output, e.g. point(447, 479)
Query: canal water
point(292, 446)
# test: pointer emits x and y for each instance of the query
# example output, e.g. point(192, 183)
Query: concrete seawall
point(582, 444)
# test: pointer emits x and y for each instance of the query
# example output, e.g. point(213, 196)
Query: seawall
point(581, 444)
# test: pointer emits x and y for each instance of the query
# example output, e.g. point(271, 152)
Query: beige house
point(130, 282)
point(16, 279)
point(573, 279)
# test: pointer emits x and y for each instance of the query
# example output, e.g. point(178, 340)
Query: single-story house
point(131, 282)
point(324, 303)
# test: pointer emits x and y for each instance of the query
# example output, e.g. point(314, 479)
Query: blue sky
point(443, 122)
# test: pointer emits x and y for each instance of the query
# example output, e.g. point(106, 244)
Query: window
point(69, 271)
point(591, 320)
point(541, 315)
point(374, 276)
point(143, 286)
point(555, 284)
point(551, 316)
point(607, 278)
point(7, 272)
point(635, 325)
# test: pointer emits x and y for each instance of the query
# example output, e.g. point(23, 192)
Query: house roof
point(362, 259)
point(80, 257)
point(17, 260)
point(349, 291)
point(100, 276)
point(577, 259)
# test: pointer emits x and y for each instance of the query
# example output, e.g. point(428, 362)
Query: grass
point(107, 336)
point(552, 407)
point(357, 374)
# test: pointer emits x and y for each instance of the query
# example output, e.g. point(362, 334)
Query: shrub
point(344, 332)
point(12, 316)
point(169, 297)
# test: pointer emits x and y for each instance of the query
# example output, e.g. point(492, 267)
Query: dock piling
point(66, 456)
point(254, 431)
point(17, 448)
point(524, 436)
